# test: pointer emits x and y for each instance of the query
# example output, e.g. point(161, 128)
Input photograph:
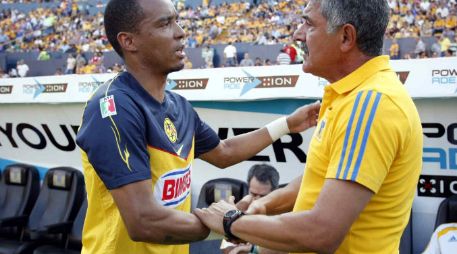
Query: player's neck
point(153, 83)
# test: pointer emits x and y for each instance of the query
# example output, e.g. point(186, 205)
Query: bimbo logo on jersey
point(173, 187)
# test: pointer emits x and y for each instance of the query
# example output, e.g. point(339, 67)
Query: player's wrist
point(278, 128)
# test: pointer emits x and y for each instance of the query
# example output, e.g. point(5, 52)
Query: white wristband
point(278, 128)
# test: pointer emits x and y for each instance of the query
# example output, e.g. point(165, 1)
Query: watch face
point(230, 213)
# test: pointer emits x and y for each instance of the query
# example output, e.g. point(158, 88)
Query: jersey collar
point(354, 79)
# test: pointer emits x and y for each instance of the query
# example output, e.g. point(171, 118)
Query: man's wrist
point(278, 128)
point(230, 217)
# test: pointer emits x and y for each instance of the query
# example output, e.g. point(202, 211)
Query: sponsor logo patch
point(107, 106)
point(173, 187)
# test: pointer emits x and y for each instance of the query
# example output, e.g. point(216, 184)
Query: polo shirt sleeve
point(115, 141)
point(206, 138)
point(367, 135)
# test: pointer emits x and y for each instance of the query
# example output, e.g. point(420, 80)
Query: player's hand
point(241, 249)
point(244, 203)
point(304, 117)
point(256, 207)
point(212, 216)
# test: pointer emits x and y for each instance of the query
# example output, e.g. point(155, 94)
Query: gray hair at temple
point(369, 17)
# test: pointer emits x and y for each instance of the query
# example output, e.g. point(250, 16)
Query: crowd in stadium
point(70, 28)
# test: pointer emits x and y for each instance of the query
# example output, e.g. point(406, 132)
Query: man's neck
point(350, 63)
point(153, 83)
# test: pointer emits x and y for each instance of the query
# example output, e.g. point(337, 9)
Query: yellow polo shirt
point(369, 132)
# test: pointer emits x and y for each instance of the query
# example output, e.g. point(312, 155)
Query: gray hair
point(369, 17)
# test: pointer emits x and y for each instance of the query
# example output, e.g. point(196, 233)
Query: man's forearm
point(177, 228)
point(282, 200)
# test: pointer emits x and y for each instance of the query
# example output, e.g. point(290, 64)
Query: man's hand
point(213, 216)
point(304, 117)
point(256, 207)
point(244, 203)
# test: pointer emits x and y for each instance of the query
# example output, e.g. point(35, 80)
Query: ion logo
point(437, 186)
point(6, 89)
point(172, 188)
point(187, 84)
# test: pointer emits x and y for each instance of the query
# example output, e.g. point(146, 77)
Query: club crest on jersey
point(170, 130)
point(173, 187)
point(107, 106)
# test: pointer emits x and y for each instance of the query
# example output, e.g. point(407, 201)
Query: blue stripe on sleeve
point(348, 132)
point(365, 136)
point(356, 133)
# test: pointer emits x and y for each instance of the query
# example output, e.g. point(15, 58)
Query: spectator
point(420, 46)
point(44, 55)
point(3, 74)
point(71, 64)
point(230, 55)
point(58, 72)
point(445, 43)
point(291, 51)
point(394, 50)
point(22, 68)
point(436, 47)
point(283, 58)
point(80, 62)
point(247, 61)
point(258, 61)
point(208, 55)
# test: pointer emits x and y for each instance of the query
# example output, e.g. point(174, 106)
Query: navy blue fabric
point(137, 124)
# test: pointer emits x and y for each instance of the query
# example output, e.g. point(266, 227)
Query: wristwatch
point(230, 217)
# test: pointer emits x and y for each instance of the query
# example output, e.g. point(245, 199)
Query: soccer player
point(365, 156)
point(138, 141)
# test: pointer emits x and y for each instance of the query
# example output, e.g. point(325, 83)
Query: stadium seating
point(73, 243)
point(58, 202)
point(19, 190)
point(221, 188)
point(447, 211)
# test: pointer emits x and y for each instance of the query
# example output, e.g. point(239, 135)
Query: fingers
point(244, 203)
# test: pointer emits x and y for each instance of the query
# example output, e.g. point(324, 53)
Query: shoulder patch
point(107, 106)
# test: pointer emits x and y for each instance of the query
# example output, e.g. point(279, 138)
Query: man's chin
point(178, 67)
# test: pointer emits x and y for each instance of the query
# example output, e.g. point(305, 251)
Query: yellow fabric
point(385, 155)
point(104, 230)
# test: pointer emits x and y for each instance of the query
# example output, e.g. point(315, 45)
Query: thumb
point(231, 200)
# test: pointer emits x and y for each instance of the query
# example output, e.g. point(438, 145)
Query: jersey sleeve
point(112, 135)
point(205, 138)
point(367, 135)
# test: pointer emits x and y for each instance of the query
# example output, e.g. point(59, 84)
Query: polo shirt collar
point(354, 79)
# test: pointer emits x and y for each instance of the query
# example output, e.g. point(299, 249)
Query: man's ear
point(126, 41)
point(348, 37)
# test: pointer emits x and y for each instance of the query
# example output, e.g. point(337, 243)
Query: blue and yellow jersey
point(127, 136)
point(369, 132)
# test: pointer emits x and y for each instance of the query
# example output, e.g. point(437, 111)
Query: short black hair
point(265, 174)
point(121, 16)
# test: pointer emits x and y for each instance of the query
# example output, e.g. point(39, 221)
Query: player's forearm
point(282, 200)
point(175, 228)
point(242, 147)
